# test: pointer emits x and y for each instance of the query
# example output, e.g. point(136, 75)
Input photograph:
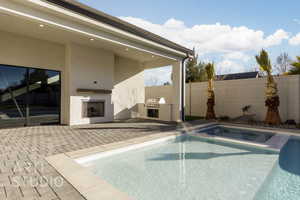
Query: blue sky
point(227, 32)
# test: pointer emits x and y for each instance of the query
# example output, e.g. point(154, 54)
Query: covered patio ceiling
point(22, 23)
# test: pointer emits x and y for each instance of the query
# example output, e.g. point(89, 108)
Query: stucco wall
point(232, 95)
point(24, 51)
point(128, 89)
point(85, 66)
point(159, 91)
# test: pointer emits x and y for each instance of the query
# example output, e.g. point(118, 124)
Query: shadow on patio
point(132, 124)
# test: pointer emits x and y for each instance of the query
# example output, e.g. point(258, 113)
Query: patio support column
point(65, 87)
point(177, 91)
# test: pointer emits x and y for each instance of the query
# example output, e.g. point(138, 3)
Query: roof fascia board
point(108, 28)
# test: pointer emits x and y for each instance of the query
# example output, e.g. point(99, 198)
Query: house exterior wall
point(25, 51)
point(232, 95)
point(89, 68)
point(123, 76)
point(128, 89)
point(28, 52)
point(80, 67)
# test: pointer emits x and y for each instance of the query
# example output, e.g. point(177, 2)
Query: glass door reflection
point(29, 96)
point(12, 96)
point(44, 97)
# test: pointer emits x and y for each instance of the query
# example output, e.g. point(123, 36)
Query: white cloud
point(237, 56)
point(296, 21)
point(230, 43)
point(276, 38)
point(228, 66)
point(174, 24)
point(295, 40)
point(212, 38)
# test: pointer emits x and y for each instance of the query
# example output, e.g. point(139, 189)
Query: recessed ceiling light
point(152, 56)
point(127, 49)
point(92, 39)
point(42, 25)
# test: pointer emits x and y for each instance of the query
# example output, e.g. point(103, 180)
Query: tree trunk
point(210, 114)
point(273, 117)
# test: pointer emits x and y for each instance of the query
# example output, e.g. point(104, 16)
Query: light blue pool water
point(240, 134)
point(189, 168)
point(283, 182)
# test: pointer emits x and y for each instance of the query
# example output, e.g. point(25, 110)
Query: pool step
point(277, 141)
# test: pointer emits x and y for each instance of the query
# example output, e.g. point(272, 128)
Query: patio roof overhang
point(99, 16)
point(42, 20)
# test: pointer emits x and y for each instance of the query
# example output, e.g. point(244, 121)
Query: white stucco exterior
point(87, 65)
point(128, 89)
point(87, 56)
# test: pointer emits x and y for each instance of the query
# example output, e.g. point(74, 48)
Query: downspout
point(183, 87)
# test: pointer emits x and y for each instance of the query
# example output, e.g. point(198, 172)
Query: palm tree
point(295, 67)
point(210, 71)
point(272, 99)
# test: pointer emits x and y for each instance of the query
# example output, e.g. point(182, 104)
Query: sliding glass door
point(12, 96)
point(29, 96)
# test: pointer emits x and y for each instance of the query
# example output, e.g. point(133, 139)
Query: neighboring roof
point(245, 75)
point(118, 23)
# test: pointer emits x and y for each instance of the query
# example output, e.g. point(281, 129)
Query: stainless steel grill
point(155, 102)
point(152, 103)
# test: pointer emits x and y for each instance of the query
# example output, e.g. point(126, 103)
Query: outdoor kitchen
point(156, 109)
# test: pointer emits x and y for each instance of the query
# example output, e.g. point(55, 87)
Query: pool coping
point(290, 132)
point(84, 181)
point(91, 187)
point(275, 143)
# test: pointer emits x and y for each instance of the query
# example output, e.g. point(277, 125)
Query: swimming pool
point(238, 133)
point(193, 168)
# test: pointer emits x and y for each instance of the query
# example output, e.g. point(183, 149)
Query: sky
point(229, 33)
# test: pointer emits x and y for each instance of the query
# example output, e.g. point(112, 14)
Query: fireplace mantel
point(95, 91)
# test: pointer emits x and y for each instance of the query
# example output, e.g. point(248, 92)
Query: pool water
point(193, 168)
point(241, 134)
point(283, 182)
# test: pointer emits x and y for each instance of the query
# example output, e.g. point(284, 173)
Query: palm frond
point(264, 62)
point(295, 67)
point(210, 70)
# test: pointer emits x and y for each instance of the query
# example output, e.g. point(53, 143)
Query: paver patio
point(25, 174)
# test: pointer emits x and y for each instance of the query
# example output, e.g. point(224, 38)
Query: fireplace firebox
point(93, 109)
